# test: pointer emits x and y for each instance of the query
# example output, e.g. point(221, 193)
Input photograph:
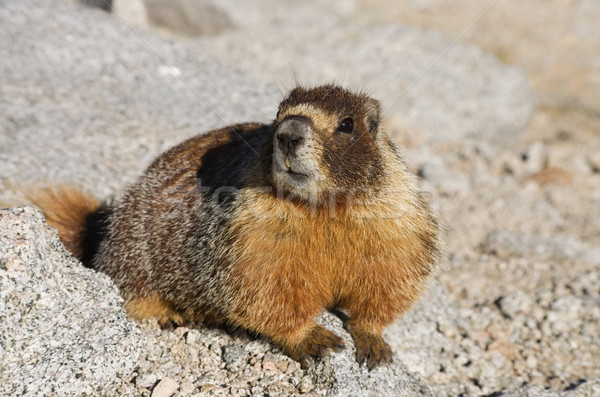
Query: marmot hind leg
point(370, 346)
point(366, 321)
point(292, 327)
point(317, 343)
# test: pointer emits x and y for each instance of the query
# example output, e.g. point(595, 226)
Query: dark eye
point(346, 126)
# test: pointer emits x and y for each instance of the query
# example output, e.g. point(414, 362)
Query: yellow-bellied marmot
point(263, 226)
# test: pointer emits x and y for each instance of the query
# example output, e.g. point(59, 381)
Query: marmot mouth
point(292, 172)
point(295, 175)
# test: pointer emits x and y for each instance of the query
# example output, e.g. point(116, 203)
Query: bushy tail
point(81, 220)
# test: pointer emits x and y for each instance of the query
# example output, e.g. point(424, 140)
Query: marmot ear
point(372, 116)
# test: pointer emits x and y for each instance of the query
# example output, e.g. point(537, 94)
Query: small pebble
point(207, 387)
point(270, 362)
point(192, 337)
point(233, 353)
point(146, 381)
point(165, 388)
point(305, 385)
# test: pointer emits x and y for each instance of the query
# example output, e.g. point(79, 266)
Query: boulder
point(63, 329)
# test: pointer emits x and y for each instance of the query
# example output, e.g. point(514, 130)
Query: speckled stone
point(62, 326)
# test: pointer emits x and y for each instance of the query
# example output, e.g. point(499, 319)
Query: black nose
point(292, 134)
point(288, 142)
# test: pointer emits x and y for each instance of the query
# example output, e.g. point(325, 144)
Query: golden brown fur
point(265, 226)
point(328, 264)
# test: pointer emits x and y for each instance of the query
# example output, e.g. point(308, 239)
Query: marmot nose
point(291, 134)
point(288, 142)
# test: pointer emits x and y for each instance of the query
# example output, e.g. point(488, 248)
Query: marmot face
point(327, 140)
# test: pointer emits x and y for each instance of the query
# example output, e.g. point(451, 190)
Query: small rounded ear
point(372, 116)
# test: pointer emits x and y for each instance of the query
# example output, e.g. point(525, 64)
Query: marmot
point(264, 226)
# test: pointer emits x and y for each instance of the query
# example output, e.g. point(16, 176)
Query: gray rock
point(509, 163)
point(515, 304)
point(192, 336)
point(565, 315)
point(531, 391)
point(146, 381)
point(103, 4)
point(558, 247)
point(305, 385)
point(131, 12)
point(430, 341)
point(187, 17)
point(581, 162)
point(340, 374)
point(93, 102)
point(233, 353)
point(443, 178)
point(589, 387)
point(62, 327)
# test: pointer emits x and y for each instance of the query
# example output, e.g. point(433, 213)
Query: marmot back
point(264, 226)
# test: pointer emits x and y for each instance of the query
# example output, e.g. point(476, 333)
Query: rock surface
point(83, 75)
point(430, 86)
point(557, 46)
point(63, 328)
point(86, 99)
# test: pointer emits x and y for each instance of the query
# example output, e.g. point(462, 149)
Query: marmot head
point(327, 140)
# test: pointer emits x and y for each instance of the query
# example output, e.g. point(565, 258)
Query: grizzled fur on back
point(171, 224)
point(263, 226)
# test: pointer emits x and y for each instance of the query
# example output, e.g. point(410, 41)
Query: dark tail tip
point(94, 231)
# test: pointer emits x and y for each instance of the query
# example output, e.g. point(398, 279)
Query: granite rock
point(63, 328)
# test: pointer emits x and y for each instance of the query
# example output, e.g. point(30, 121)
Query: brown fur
point(234, 227)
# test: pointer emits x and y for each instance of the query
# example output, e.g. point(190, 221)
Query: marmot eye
point(346, 126)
